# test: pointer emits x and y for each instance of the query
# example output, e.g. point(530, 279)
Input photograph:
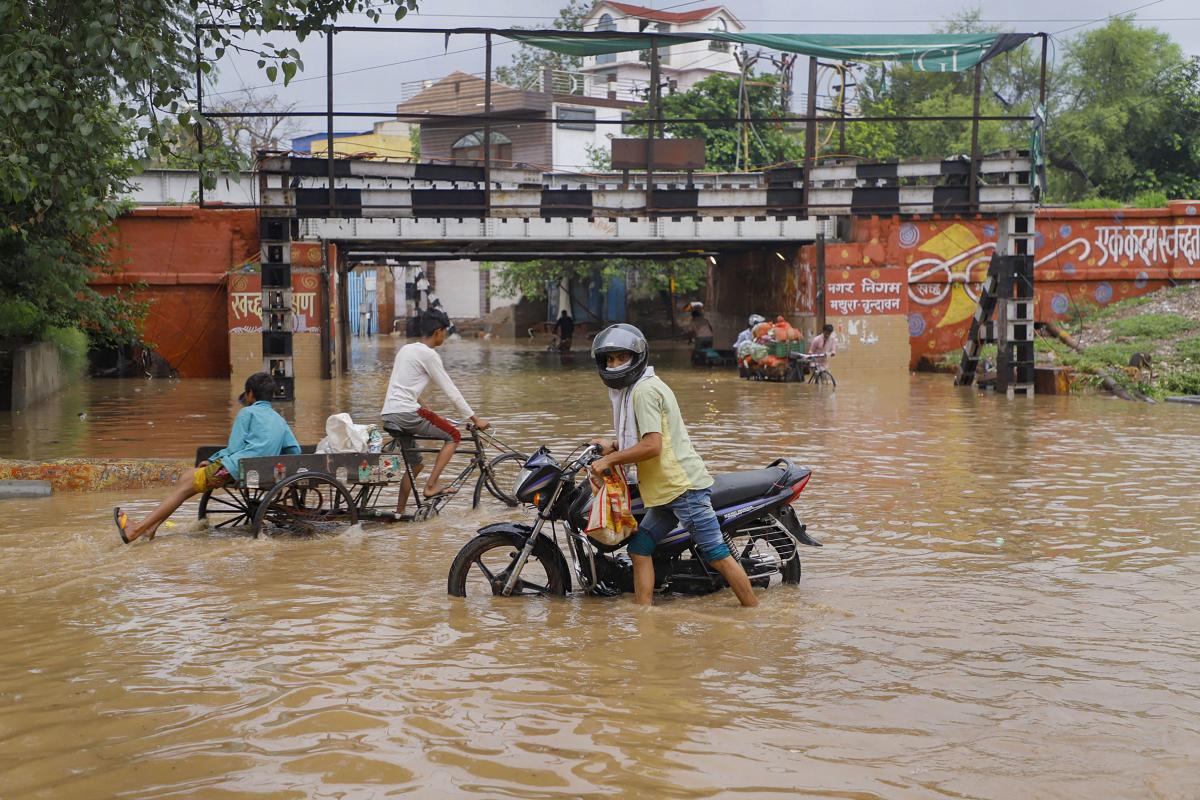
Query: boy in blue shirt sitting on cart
point(258, 430)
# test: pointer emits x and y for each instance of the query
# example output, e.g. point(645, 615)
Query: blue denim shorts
point(690, 514)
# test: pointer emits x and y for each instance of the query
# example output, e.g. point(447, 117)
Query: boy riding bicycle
point(405, 416)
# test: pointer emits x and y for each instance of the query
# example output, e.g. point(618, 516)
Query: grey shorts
point(423, 424)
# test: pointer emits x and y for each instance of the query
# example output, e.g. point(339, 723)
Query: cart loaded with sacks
point(317, 493)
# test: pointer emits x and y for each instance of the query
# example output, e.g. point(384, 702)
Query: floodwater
point(1005, 607)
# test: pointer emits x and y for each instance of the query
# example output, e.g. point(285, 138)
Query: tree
point(1128, 119)
point(87, 88)
point(529, 62)
point(716, 97)
point(239, 139)
point(1010, 87)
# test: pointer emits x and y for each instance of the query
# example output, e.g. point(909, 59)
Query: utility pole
point(810, 132)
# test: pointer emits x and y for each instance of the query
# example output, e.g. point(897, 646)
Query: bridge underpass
point(375, 213)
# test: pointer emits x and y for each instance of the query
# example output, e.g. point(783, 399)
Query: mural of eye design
point(1104, 293)
point(1060, 304)
point(909, 235)
point(1141, 280)
point(916, 324)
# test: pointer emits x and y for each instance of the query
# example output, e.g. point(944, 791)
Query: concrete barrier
point(90, 475)
point(36, 373)
point(16, 489)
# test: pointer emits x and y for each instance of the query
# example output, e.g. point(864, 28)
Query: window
point(628, 123)
point(606, 24)
point(470, 148)
point(576, 119)
point(719, 27)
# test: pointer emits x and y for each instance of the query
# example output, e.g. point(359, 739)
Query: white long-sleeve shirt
point(412, 370)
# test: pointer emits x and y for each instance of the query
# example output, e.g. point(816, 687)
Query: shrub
point(1183, 381)
point(72, 345)
point(1189, 349)
point(1157, 326)
point(1097, 202)
point(1150, 199)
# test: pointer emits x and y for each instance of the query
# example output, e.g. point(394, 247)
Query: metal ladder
point(1005, 312)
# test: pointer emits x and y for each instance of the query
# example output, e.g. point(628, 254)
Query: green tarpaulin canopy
point(928, 52)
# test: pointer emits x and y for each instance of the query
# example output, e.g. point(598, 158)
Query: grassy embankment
point(1164, 324)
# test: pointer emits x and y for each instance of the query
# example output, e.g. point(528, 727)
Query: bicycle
point(498, 475)
point(814, 365)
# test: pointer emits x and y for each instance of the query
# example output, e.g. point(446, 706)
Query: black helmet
point(615, 339)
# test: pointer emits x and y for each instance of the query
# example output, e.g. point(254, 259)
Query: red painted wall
point(184, 255)
point(1082, 258)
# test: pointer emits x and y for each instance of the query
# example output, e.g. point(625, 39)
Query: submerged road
point(1005, 607)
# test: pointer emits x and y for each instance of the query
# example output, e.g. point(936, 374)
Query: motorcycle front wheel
point(484, 565)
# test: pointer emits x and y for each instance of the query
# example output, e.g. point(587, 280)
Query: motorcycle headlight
point(519, 483)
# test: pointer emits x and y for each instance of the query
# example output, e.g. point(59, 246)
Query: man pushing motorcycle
point(675, 486)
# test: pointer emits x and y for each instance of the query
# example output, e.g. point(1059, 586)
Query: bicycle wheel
point(500, 477)
point(824, 376)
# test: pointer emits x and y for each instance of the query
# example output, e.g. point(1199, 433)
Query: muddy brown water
point(1006, 606)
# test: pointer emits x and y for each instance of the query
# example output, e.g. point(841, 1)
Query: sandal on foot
point(439, 495)
point(122, 523)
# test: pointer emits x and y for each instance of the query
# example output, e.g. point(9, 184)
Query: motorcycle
point(754, 508)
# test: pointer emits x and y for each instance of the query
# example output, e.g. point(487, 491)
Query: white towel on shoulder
point(624, 421)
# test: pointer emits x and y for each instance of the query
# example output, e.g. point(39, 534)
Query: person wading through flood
point(258, 431)
point(564, 329)
point(405, 416)
point(675, 486)
point(699, 330)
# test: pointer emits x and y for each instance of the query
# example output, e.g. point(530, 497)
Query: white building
point(685, 65)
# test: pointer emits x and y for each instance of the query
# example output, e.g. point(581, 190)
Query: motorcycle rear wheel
point(765, 551)
point(482, 567)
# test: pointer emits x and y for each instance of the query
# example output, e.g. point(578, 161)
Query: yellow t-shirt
point(678, 468)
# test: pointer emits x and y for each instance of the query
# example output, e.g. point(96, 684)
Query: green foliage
point(1096, 203)
point(1152, 198)
point(19, 318)
point(717, 96)
point(1189, 349)
point(528, 62)
point(1123, 109)
point(1155, 326)
point(1179, 381)
point(1127, 116)
point(88, 89)
point(533, 278)
point(1010, 87)
point(72, 345)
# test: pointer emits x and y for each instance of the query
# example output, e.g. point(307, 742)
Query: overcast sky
point(369, 68)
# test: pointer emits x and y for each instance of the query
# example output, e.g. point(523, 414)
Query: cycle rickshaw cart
point(326, 492)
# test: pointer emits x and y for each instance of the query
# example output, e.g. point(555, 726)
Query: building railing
point(562, 82)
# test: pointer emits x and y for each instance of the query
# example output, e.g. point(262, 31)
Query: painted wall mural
point(1083, 258)
point(245, 303)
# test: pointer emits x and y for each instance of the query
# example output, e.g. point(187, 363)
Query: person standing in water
point(675, 486)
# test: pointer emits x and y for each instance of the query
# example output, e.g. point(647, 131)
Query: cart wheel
point(309, 502)
point(424, 512)
point(229, 506)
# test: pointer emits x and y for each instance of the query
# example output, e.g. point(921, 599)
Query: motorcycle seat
point(735, 487)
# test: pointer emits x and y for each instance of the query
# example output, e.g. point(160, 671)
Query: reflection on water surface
point(1005, 607)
